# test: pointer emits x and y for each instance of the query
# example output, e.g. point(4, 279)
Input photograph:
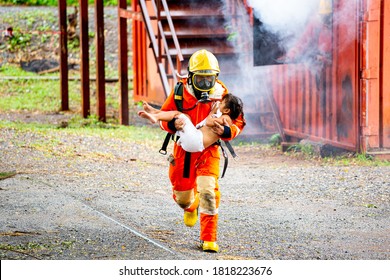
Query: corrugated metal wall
point(385, 78)
point(347, 103)
point(319, 106)
point(375, 84)
point(322, 103)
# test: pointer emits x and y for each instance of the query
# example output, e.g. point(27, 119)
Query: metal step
point(200, 28)
point(195, 9)
point(216, 46)
point(199, 25)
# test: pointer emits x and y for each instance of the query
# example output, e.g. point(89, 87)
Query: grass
point(308, 151)
point(14, 71)
point(33, 38)
point(21, 95)
point(31, 19)
point(360, 159)
point(34, 249)
point(150, 135)
point(32, 96)
point(49, 138)
point(8, 174)
point(27, 94)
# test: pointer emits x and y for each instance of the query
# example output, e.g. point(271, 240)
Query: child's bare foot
point(148, 108)
point(147, 116)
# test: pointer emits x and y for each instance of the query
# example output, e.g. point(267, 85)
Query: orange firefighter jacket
point(199, 113)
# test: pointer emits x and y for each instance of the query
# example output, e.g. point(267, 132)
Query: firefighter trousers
point(200, 190)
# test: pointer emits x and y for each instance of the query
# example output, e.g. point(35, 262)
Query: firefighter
point(194, 176)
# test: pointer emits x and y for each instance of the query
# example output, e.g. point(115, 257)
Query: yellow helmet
point(203, 61)
point(325, 7)
point(203, 70)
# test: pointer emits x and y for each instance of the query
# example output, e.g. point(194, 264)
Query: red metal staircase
point(175, 30)
point(200, 26)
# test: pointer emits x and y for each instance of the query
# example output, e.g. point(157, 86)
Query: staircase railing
point(159, 42)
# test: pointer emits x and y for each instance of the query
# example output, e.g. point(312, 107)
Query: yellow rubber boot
point(210, 246)
point(190, 218)
point(191, 213)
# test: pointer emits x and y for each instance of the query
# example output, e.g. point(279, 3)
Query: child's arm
point(214, 108)
point(210, 121)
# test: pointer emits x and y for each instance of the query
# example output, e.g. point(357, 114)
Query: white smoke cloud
point(284, 17)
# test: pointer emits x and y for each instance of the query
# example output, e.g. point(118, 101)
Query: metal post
point(159, 58)
point(100, 77)
point(123, 66)
point(63, 56)
point(84, 56)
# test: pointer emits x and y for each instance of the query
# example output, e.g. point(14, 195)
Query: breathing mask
point(203, 71)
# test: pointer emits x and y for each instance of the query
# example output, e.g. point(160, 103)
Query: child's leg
point(159, 116)
point(148, 116)
point(148, 108)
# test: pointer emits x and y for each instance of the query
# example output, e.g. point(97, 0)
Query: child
point(197, 138)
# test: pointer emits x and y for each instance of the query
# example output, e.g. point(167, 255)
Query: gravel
point(93, 198)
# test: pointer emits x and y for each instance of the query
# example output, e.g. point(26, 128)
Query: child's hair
point(235, 105)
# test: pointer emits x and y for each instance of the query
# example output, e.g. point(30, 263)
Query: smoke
point(282, 21)
point(278, 28)
point(278, 25)
point(284, 17)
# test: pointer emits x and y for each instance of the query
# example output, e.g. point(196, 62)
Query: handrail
point(170, 62)
point(148, 25)
point(156, 43)
point(172, 29)
point(160, 34)
point(179, 55)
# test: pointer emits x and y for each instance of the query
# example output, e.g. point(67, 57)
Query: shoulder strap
point(232, 152)
point(230, 148)
point(178, 98)
point(164, 146)
point(225, 165)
